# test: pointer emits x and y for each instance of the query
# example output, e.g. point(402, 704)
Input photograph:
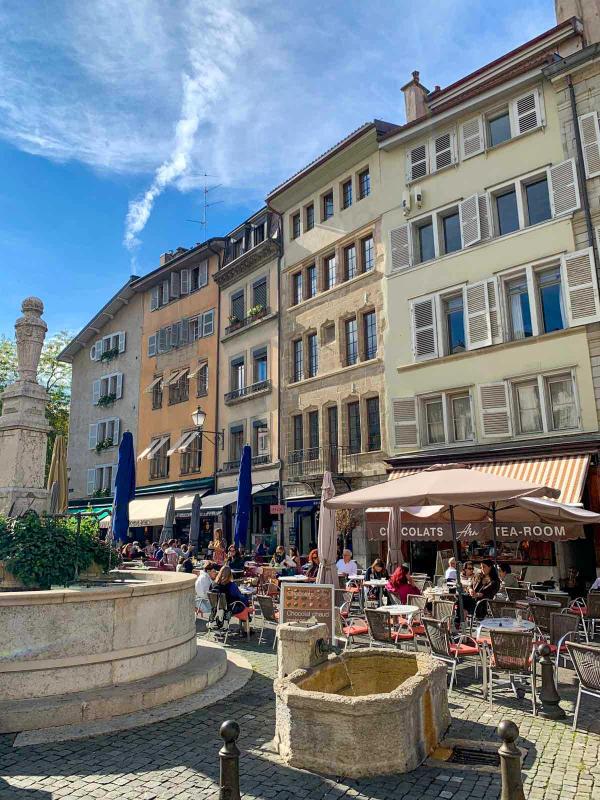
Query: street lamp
point(198, 418)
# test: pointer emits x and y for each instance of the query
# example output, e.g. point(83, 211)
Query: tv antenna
point(205, 203)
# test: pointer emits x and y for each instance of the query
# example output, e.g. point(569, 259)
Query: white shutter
point(202, 273)
point(91, 481)
point(184, 283)
point(113, 478)
point(400, 247)
point(119, 392)
point(478, 324)
point(443, 150)
point(471, 137)
point(116, 430)
point(99, 350)
point(416, 166)
point(485, 226)
point(93, 435)
point(121, 336)
point(564, 189)
point(494, 308)
point(581, 287)
point(525, 113)
point(154, 298)
point(424, 328)
point(495, 417)
point(208, 323)
point(165, 292)
point(95, 392)
point(470, 226)
point(590, 139)
point(175, 284)
point(404, 412)
point(152, 345)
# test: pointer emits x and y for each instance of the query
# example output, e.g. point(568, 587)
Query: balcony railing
point(315, 460)
point(246, 391)
point(257, 461)
point(237, 324)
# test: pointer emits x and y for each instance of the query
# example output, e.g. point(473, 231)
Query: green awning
point(100, 511)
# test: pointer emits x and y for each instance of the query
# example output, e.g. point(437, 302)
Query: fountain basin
point(367, 712)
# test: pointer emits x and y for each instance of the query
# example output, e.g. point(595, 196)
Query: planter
point(9, 583)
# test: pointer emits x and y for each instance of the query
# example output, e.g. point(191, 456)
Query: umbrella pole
point(459, 588)
point(494, 534)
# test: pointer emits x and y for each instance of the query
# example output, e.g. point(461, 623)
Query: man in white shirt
point(595, 587)
point(451, 574)
point(346, 566)
point(203, 583)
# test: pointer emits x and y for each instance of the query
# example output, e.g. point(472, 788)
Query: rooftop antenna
point(205, 204)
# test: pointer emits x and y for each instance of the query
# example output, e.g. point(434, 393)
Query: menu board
point(304, 602)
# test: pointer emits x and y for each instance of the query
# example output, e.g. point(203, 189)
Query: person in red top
point(401, 585)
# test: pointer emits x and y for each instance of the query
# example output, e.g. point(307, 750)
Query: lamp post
point(199, 418)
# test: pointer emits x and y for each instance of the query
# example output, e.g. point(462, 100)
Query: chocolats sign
point(482, 531)
point(302, 602)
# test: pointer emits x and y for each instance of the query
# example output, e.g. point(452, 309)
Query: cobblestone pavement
point(178, 758)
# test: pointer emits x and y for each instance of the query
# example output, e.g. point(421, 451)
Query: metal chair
point(269, 616)
point(417, 600)
point(442, 610)
point(511, 652)
point(586, 660)
point(220, 616)
point(458, 654)
point(588, 611)
point(540, 613)
point(348, 629)
point(342, 601)
point(515, 594)
point(421, 583)
point(562, 628)
point(503, 608)
point(381, 631)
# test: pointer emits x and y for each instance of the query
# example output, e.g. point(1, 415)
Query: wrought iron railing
point(235, 325)
point(246, 391)
point(315, 460)
point(257, 461)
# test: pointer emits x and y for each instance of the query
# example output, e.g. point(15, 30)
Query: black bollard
point(510, 762)
point(229, 756)
point(549, 697)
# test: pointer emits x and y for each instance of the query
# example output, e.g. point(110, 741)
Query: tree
point(53, 375)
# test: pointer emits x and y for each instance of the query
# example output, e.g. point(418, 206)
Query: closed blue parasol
point(244, 498)
point(124, 488)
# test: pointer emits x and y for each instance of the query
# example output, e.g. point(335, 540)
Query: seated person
point(376, 572)
point(237, 603)
point(485, 587)
point(401, 584)
point(185, 564)
point(281, 560)
point(507, 576)
point(313, 565)
point(467, 576)
point(294, 556)
point(234, 558)
point(451, 574)
point(203, 583)
point(345, 565)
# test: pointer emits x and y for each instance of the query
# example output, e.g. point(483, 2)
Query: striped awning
point(565, 473)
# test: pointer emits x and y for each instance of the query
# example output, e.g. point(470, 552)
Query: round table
point(293, 578)
point(376, 582)
point(504, 624)
point(399, 610)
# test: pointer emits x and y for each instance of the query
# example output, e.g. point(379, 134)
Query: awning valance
point(150, 510)
point(184, 442)
point(215, 503)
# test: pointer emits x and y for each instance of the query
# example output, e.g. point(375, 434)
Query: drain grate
point(471, 756)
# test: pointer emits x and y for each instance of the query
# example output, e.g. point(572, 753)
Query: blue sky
point(110, 113)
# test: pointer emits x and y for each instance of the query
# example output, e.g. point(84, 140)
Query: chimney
point(164, 257)
point(588, 11)
point(415, 98)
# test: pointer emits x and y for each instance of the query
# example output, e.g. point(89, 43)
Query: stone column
point(23, 425)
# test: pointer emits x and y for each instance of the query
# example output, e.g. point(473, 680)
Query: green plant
point(101, 493)
point(104, 444)
point(110, 354)
point(256, 310)
point(233, 318)
point(106, 400)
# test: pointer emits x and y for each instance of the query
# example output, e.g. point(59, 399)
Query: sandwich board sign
point(308, 602)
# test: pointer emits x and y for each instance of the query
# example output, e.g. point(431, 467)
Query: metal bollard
point(510, 762)
point(229, 756)
point(549, 696)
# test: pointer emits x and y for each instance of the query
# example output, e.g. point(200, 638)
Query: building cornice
point(246, 263)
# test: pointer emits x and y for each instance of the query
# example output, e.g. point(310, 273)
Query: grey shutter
point(471, 137)
point(564, 190)
point(175, 284)
point(122, 339)
point(424, 328)
point(95, 392)
point(484, 216)
point(113, 478)
point(581, 287)
point(494, 307)
point(259, 291)
point(184, 329)
point(208, 323)
point(91, 481)
point(99, 350)
point(184, 282)
point(154, 298)
point(443, 150)
point(93, 435)
point(400, 247)
point(495, 417)
point(203, 273)
point(479, 332)
point(525, 113)
point(404, 412)
point(470, 226)
point(164, 339)
point(152, 345)
point(174, 336)
point(116, 430)
point(590, 139)
point(119, 381)
point(417, 163)
point(165, 293)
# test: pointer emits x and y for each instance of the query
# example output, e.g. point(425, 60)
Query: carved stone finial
point(30, 331)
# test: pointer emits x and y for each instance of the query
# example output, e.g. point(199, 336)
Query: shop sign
point(302, 602)
point(277, 509)
point(480, 531)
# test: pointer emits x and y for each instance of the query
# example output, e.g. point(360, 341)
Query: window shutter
point(443, 149)
point(404, 411)
point(99, 349)
point(155, 298)
point(95, 392)
point(152, 345)
point(471, 137)
point(113, 478)
point(525, 113)
point(424, 328)
point(165, 292)
point(162, 340)
point(417, 163)
point(470, 226)
point(121, 341)
point(484, 217)
point(590, 139)
point(400, 248)
point(564, 191)
point(184, 281)
point(175, 284)
point(208, 323)
point(495, 319)
point(93, 435)
point(91, 481)
point(116, 430)
point(495, 418)
point(479, 329)
point(581, 287)
point(119, 377)
point(203, 273)
point(174, 337)
point(184, 330)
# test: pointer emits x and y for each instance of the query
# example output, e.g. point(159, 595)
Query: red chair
point(464, 652)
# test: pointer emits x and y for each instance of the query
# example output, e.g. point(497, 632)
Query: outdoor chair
point(348, 628)
point(563, 627)
point(421, 583)
point(442, 610)
point(588, 611)
point(586, 660)
point(458, 654)
point(381, 631)
point(503, 608)
point(269, 616)
point(172, 559)
point(515, 594)
point(417, 600)
point(439, 580)
point(541, 613)
point(219, 617)
point(343, 599)
point(511, 653)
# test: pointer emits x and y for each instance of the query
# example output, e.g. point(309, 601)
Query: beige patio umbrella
point(394, 554)
point(327, 539)
point(59, 496)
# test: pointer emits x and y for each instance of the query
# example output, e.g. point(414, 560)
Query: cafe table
point(504, 624)
point(292, 578)
point(399, 610)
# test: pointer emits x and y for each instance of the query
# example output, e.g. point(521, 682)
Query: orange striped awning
point(565, 473)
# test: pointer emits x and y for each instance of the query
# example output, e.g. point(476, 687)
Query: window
point(519, 310)
point(260, 365)
point(354, 441)
point(332, 424)
point(296, 225)
point(350, 270)
point(258, 234)
point(434, 421)
point(550, 300)
point(260, 442)
point(313, 355)
point(237, 248)
point(528, 407)
point(311, 281)
point(351, 341)
point(368, 254)
point(373, 424)
point(164, 294)
point(194, 328)
point(179, 387)
point(507, 212)
point(237, 306)
point(446, 418)
point(347, 193)
point(106, 432)
point(297, 288)
point(298, 433)
point(238, 374)
point(202, 381)
point(100, 480)
point(236, 442)
point(313, 434)
point(545, 403)
point(110, 386)
point(191, 458)
point(157, 393)
point(364, 184)
point(298, 365)
point(561, 398)
point(498, 128)
point(328, 333)
point(259, 293)
point(537, 201)
point(159, 463)
point(425, 241)
point(198, 276)
point(460, 416)
point(330, 272)
point(327, 206)
point(208, 322)
point(451, 238)
point(435, 154)
point(309, 212)
point(370, 334)
point(454, 321)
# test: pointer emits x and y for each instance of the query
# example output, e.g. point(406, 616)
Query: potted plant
point(106, 400)
point(109, 355)
point(101, 493)
point(104, 444)
point(256, 310)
